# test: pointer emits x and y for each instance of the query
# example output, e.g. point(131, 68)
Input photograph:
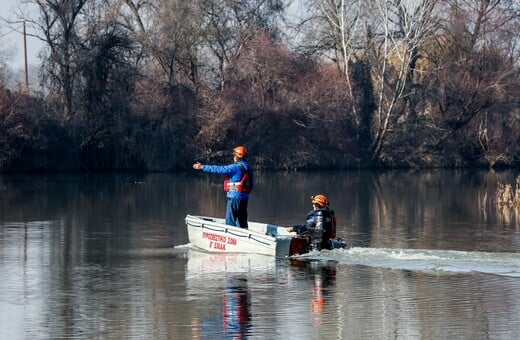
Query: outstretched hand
point(197, 166)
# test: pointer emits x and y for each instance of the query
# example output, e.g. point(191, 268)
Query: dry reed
point(508, 196)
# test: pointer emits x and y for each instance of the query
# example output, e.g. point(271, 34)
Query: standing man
point(238, 183)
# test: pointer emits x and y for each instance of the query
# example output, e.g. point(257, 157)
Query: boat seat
point(271, 230)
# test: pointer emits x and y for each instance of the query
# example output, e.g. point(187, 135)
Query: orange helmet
point(239, 151)
point(320, 200)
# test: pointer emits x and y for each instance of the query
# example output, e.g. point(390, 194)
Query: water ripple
point(433, 261)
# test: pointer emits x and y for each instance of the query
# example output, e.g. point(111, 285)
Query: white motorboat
point(214, 235)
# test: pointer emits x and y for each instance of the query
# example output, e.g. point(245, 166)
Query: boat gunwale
point(218, 225)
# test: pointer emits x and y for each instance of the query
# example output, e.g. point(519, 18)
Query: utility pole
point(25, 59)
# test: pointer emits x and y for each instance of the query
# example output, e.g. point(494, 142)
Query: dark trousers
point(236, 212)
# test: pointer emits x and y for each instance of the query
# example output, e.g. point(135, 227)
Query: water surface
point(107, 256)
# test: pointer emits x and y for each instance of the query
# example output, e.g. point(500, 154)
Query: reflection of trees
point(406, 208)
point(424, 305)
point(88, 282)
point(508, 215)
point(398, 208)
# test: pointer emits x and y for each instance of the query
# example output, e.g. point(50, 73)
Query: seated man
point(321, 224)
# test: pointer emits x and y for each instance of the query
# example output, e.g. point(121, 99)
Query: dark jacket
point(321, 227)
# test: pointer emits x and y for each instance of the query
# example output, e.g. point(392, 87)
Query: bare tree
point(229, 25)
point(177, 40)
point(404, 27)
point(4, 70)
point(344, 32)
point(477, 64)
point(58, 21)
point(377, 44)
point(340, 31)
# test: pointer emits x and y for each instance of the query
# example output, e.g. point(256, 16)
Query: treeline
point(131, 85)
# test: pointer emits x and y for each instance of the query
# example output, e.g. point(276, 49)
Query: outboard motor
point(320, 227)
point(315, 229)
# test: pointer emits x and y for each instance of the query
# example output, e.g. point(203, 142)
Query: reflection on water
point(229, 318)
point(322, 276)
point(509, 215)
point(236, 302)
point(93, 256)
point(232, 284)
point(224, 276)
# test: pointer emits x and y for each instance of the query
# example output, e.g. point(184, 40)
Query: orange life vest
point(242, 186)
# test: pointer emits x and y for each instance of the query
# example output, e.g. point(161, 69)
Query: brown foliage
point(507, 199)
point(154, 98)
point(29, 141)
point(281, 103)
point(474, 99)
point(16, 127)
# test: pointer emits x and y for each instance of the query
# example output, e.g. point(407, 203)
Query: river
point(106, 256)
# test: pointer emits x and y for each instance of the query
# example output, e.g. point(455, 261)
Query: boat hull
point(213, 235)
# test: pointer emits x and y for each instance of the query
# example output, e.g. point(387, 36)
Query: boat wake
point(431, 261)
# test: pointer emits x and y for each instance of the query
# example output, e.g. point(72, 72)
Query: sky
point(12, 41)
